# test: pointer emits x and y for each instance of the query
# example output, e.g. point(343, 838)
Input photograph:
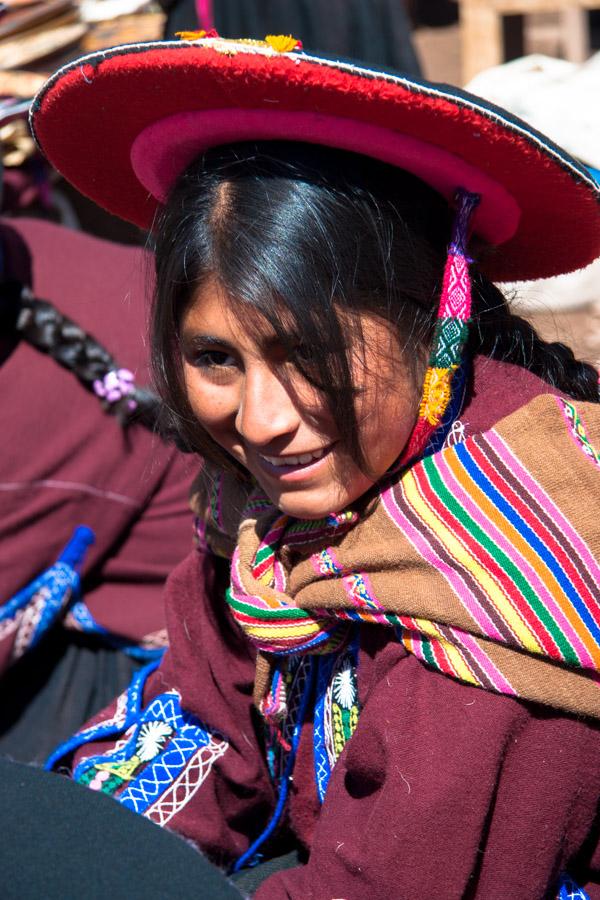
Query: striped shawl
point(484, 558)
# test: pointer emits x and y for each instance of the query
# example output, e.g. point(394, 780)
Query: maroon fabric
point(496, 390)
point(444, 790)
point(66, 462)
point(448, 791)
point(211, 666)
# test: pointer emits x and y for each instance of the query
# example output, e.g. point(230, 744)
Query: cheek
point(213, 405)
point(386, 426)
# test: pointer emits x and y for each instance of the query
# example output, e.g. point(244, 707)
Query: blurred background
point(538, 58)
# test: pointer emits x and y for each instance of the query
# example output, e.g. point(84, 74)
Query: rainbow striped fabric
point(484, 556)
point(523, 573)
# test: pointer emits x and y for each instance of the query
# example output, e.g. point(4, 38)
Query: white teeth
point(295, 460)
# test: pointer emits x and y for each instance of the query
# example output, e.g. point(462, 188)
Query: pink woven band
point(164, 149)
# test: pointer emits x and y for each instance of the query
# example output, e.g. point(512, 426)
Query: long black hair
point(41, 324)
point(294, 233)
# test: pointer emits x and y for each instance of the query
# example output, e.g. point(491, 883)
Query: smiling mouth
point(303, 459)
point(282, 465)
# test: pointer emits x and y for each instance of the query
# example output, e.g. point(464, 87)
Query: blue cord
point(247, 858)
point(102, 730)
point(75, 550)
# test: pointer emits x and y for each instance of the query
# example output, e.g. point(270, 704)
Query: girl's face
point(252, 401)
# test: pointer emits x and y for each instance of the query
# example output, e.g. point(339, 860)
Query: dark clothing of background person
point(64, 462)
point(375, 32)
point(93, 847)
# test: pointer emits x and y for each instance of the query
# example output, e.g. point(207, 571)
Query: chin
point(303, 510)
point(310, 507)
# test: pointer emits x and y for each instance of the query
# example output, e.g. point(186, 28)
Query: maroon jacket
point(64, 461)
point(443, 790)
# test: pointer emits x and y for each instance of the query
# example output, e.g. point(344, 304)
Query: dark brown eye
point(211, 359)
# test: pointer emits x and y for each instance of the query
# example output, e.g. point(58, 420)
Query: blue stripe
point(313, 642)
point(482, 481)
point(164, 769)
point(322, 766)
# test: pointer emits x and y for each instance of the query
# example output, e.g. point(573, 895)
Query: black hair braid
point(500, 334)
point(44, 327)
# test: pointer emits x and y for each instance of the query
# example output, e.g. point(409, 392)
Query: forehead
point(213, 310)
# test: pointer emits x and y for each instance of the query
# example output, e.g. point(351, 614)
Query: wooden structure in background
point(482, 33)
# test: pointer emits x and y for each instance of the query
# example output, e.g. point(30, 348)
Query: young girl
point(398, 672)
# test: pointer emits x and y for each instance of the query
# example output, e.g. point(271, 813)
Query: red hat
point(122, 124)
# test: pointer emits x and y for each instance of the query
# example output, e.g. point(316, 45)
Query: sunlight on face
point(251, 401)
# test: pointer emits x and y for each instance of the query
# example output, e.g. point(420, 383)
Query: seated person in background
point(67, 461)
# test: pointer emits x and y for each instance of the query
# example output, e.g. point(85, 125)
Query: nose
point(266, 411)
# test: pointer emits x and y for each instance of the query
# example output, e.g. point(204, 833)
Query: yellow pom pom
point(283, 43)
point(436, 394)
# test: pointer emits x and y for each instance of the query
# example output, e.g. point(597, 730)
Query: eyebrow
point(205, 340)
point(192, 341)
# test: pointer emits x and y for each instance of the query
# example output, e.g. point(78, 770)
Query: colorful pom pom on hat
point(123, 123)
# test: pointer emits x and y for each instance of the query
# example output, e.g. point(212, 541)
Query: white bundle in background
point(560, 99)
point(104, 10)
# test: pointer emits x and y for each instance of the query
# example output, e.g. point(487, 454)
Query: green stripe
point(292, 612)
point(535, 603)
point(428, 652)
point(263, 554)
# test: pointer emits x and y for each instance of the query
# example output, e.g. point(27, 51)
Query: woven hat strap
point(450, 334)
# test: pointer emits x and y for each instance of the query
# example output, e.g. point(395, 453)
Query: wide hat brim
point(121, 124)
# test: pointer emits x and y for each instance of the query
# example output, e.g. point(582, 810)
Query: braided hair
point(43, 326)
point(499, 333)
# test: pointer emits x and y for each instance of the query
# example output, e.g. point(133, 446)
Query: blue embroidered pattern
point(35, 608)
point(161, 746)
point(163, 758)
point(336, 710)
point(322, 764)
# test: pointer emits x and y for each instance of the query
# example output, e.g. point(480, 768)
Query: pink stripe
point(483, 661)
point(417, 645)
point(204, 11)
point(238, 590)
point(450, 573)
point(520, 561)
point(576, 542)
point(164, 149)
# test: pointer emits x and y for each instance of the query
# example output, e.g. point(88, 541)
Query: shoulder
point(497, 389)
point(443, 731)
